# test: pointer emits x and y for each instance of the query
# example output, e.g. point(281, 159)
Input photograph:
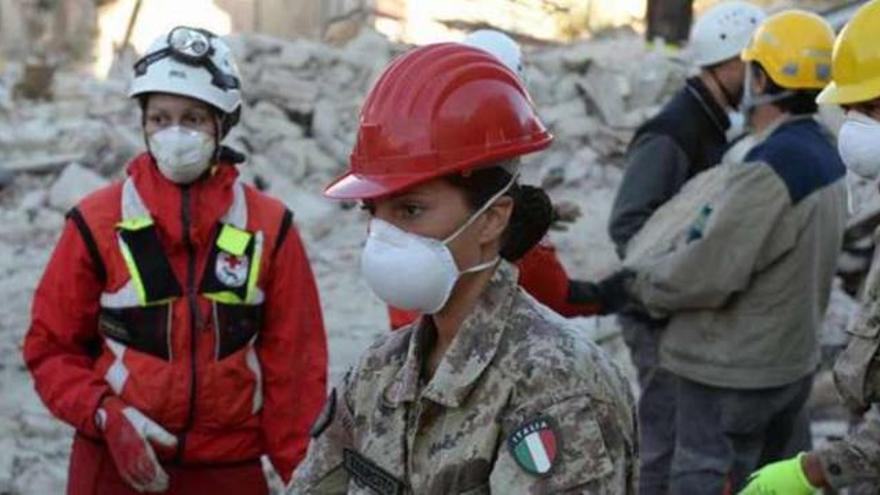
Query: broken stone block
point(555, 113)
point(6, 178)
point(603, 94)
point(36, 83)
point(286, 89)
point(74, 183)
point(575, 128)
point(295, 55)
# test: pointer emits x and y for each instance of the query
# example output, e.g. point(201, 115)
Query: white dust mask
point(737, 125)
point(859, 145)
point(182, 154)
point(413, 272)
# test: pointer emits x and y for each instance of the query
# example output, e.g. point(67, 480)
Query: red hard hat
point(437, 110)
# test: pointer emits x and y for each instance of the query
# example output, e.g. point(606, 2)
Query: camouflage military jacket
point(857, 375)
point(521, 403)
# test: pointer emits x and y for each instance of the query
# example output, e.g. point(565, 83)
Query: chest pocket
point(230, 282)
point(139, 314)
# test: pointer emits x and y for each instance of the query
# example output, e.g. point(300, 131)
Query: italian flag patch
point(534, 446)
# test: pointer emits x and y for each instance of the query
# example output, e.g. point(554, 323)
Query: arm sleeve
point(542, 275)
point(292, 350)
point(323, 472)
point(656, 168)
point(61, 343)
point(856, 458)
point(593, 449)
point(730, 238)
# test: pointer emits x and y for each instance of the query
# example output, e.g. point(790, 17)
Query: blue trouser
point(656, 408)
point(723, 435)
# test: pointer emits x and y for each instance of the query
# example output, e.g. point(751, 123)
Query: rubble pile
point(298, 127)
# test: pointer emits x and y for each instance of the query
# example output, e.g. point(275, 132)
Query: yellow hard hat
point(794, 47)
point(856, 59)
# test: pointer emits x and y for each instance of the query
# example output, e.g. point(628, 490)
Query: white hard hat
point(723, 32)
point(500, 45)
point(194, 63)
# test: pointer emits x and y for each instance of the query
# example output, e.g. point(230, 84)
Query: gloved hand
point(564, 213)
point(128, 434)
point(780, 478)
point(610, 294)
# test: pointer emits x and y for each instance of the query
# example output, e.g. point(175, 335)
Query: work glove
point(564, 213)
point(610, 294)
point(128, 434)
point(780, 478)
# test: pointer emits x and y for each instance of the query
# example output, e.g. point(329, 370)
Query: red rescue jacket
point(195, 305)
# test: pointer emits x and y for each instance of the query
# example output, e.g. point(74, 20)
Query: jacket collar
point(781, 122)
point(209, 198)
point(470, 352)
point(713, 111)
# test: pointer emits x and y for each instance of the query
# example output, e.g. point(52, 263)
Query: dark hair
point(532, 209)
point(801, 102)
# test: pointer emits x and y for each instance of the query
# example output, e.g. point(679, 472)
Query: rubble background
point(298, 126)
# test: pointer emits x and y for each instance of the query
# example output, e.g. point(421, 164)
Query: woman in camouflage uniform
point(489, 391)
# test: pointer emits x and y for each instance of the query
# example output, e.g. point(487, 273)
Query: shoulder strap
point(76, 216)
point(286, 223)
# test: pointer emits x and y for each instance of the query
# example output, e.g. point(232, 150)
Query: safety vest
point(138, 316)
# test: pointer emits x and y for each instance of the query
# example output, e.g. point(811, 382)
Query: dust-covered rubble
point(298, 126)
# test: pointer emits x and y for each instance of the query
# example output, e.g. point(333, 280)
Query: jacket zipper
point(194, 316)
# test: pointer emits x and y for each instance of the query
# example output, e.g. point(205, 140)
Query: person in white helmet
point(502, 46)
point(689, 135)
point(177, 326)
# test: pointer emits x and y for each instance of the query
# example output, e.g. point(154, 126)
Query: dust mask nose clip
point(413, 272)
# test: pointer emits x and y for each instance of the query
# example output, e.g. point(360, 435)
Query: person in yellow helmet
point(855, 87)
point(746, 289)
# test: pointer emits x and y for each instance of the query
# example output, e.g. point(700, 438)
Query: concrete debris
point(36, 84)
point(6, 178)
point(299, 123)
point(74, 183)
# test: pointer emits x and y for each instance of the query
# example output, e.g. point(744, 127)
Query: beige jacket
point(748, 287)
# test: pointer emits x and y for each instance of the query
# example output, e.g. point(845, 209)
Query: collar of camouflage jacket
point(468, 355)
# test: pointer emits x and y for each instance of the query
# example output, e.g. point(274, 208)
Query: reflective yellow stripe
point(224, 297)
point(232, 240)
point(133, 272)
point(255, 267)
point(137, 223)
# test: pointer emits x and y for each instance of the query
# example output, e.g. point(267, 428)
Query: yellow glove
point(780, 478)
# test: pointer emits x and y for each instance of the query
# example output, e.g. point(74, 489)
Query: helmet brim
point(354, 185)
point(835, 94)
point(358, 186)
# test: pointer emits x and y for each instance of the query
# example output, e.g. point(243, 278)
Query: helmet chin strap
point(217, 128)
point(731, 101)
point(751, 101)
